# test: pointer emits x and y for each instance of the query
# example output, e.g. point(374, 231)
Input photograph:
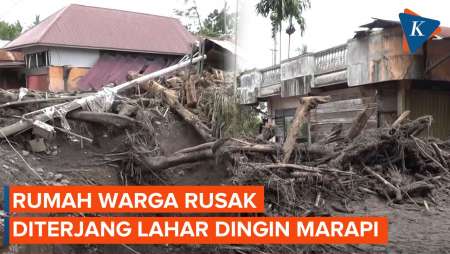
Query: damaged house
point(370, 72)
point(84, 48)
point(11, 68)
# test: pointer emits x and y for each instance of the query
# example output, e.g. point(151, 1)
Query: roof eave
point(20, 47)
point(11, 64)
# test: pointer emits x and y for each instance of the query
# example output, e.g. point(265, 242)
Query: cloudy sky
point(328, 22)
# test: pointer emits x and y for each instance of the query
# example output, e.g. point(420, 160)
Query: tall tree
point(10, 31)
point(284, 10)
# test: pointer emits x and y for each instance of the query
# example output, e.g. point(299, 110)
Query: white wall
point(73, 57)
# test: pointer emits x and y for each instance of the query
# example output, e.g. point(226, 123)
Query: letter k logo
point(417, 29)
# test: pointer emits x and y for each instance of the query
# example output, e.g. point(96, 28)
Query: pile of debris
point(183, 125)
point(395, 162)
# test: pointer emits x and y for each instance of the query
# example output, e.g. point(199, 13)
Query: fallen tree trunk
point(201, 152)
point(98, 99)
point(103, 118)
point(164, 162)
point(170, 98)
point(306, 104)
point(21, 103)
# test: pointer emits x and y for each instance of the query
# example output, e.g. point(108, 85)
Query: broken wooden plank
point(359, 123)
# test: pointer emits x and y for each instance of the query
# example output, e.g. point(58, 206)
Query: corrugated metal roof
point(228, 45)
point(384, 23)
point(114, 69)
point(10, 56)
point(381, 23)
point(100, 28)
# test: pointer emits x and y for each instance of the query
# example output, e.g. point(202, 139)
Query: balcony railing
point(297, 75)
point(271, 76)
point(330, 60)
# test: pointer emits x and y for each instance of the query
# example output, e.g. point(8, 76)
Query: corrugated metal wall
point(435, 103)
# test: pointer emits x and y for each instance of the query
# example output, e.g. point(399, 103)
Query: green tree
point(284, 10)
point(218, 23)
point(10, 31)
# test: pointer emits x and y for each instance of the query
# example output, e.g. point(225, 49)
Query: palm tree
point(282, 10)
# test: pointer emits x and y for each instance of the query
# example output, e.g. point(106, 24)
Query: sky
point(328, 23)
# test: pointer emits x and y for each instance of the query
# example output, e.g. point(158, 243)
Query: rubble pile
point(398, 163)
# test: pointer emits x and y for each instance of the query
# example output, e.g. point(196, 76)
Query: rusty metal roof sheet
point(384, 23)
point(107, 29)
point(114, 69)
point(10, 56)
point(10, 59)
point(381, 23)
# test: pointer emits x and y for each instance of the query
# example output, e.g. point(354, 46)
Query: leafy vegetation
point(10, 31)
point(283, 10)
point(218, 22)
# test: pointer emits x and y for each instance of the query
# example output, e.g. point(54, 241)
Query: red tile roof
point(81, 26)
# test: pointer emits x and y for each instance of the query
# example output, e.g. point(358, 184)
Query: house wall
point(11, 78)
point(38, 82)
point(74, 75)
point(343, 108)
point(380, 57)
point(66, 67)
point(72, 57)
point(437, 56)
point(345, 105)
point(431, 98)
point(56, 79)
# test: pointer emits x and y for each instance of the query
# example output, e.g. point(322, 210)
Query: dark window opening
point(37, 60)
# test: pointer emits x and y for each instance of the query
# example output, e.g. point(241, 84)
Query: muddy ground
point(412, 228)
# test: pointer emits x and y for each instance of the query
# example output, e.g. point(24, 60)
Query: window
point(37, 60)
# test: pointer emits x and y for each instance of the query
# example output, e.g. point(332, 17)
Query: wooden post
point(301, 116)
point(402, 93)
